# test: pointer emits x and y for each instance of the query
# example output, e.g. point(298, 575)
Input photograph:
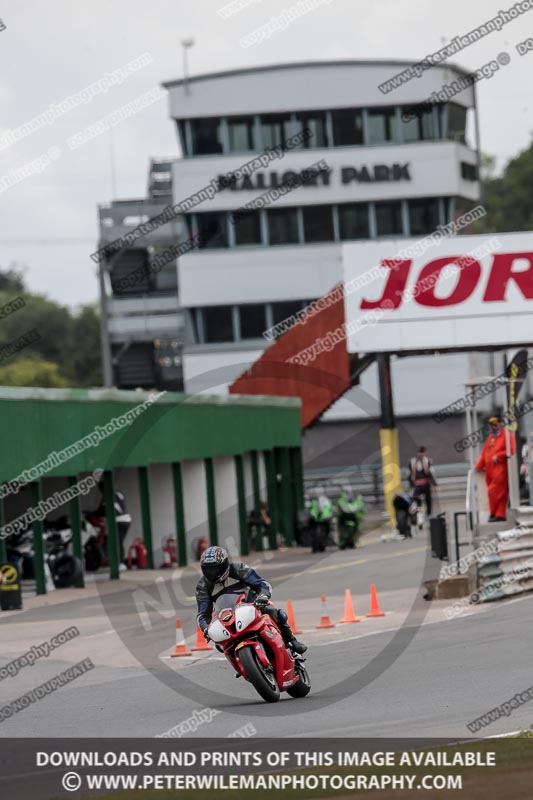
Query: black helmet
point(215, 564)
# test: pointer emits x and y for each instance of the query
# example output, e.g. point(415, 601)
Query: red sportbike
point(254, 647)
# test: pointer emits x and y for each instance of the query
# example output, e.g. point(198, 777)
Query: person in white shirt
point(422, 476)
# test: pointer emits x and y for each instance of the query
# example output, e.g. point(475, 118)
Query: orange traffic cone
point(201, 643)
point(181, 647)
point(292, 621)
point(375, 610)
point(349, 613)
point(325, 619)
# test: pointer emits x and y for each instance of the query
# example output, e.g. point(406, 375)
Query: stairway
point(326, 370)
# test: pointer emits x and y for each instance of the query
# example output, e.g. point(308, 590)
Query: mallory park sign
point(377, 173)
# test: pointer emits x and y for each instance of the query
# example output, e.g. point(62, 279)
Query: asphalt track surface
point(410, 673)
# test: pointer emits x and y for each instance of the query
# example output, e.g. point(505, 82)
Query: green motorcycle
point(349, 515)
point(321, 514)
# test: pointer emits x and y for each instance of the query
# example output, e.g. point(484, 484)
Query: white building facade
point(365, 173)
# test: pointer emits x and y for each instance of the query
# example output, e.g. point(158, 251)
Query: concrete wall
point(127, 482)
point(259, 274)
point(226, 500)
point(421, 385)
point(195, 501)
point(308, 85)
point(162, 507)
point(343, 444)
point(262, 477)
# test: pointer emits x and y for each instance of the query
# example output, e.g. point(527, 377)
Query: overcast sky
point(50, 50)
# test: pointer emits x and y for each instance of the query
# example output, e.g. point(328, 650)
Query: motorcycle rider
point(321, 514)
point(349, 514)
point(220, 576)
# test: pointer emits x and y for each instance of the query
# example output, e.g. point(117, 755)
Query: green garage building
point(188, 465)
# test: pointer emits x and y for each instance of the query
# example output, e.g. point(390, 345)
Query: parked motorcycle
point(94, 541)
point(349, 515)
point(19, 547)
point(321, 515)
point(255, 649)
point(64, 567)
point(406, 509)
point(93, 538)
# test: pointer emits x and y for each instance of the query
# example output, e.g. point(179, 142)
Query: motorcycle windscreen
point(226, 603)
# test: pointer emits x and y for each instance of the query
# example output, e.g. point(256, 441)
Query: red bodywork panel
point(261, 630)
point(323, 374)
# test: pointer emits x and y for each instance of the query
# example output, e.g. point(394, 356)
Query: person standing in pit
point(493, 462)
point(422, 477)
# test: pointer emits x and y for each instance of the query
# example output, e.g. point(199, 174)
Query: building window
point(183, 136)
point(130, 272)
point(442, 111)
point(189, 224)
point(240, 134)
point(276, 128)
point(318, 224)
point(206, 136)
point(468, 171)
point(456, 123)
point(193, 325)
point(381, 125)
point(164, 279)
point(212, 229)
point(423, 216)
point(419, 129)
point(283, 226)
point(347, 126)
point(448, 209)
point(315, 123)
point(389, 219)
point(286, 311)
point(353, 221)
point(248, 229)
point(252, 319)
point(218, 323)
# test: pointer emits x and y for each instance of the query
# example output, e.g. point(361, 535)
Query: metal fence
point(367, 480)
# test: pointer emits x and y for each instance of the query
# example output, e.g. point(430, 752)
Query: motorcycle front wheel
point(303, 687)
point(263, 680)
point(66, 571)
point(93, 557)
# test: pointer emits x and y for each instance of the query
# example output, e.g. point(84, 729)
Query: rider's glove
point(262, 600)
point(206, 634)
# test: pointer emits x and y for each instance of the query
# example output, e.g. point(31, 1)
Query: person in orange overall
point(493, 462)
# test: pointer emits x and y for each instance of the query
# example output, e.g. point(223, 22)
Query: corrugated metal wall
point(37, 423)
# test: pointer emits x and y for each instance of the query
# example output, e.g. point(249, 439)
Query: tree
point(509, 198)
point(12, 280)
point(82, 356)
point(67, 351)
point(32, 372)
point(52, 321)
